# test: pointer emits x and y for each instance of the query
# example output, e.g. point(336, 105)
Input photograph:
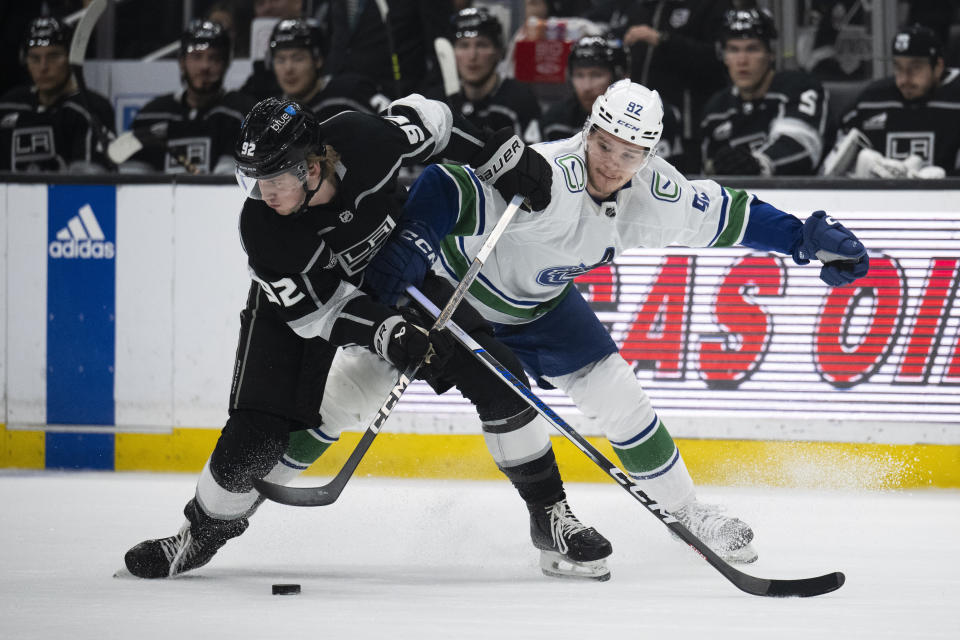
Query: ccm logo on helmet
point(628, 125)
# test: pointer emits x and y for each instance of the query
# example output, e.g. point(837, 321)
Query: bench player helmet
point(205, 34)
point(748, 23)
point(45, 32)
point(275, 139)
point(596, 51)
point(473, 22)
point(631, 112)
point(298, 33)
point(917, 41)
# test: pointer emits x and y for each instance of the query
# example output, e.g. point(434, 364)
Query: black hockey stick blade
point(802, 587)
point(327, 494)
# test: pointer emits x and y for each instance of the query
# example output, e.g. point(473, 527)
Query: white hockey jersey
point(541, 253)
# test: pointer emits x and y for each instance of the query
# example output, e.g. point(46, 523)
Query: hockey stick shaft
point(394, 61)
point(77, 54)
point(743, 581)
point(328, 493)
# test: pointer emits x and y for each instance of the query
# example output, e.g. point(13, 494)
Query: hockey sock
point(652, 457)
point(522, 451)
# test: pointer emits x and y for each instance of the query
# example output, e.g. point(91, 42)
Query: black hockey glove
point(402, 339)
point(512, 167)
point(735, 161)
point(402, 261)
point(843, 256)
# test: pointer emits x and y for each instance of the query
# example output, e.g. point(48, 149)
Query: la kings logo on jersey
point(33, 144)
point(916, 143)
point(82, 238)
point(194, 151)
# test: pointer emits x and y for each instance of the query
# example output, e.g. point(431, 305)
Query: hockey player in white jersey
point(610, 193)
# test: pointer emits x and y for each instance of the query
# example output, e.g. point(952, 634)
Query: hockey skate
point(193, 546)
point(567, 548)
point(728, 537)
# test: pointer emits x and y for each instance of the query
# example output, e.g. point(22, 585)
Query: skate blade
point(555, 565)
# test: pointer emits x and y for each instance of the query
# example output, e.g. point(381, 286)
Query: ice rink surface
point(431, 559)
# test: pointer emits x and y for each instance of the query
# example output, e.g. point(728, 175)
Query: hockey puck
point(286, 589)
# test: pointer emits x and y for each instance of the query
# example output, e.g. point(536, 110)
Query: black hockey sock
point(537, 481)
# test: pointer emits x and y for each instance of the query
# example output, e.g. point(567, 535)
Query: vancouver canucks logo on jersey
point(574, 171)
point(663, 188)
point(557, 276)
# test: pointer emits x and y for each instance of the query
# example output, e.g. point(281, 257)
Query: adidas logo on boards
point(82, 238)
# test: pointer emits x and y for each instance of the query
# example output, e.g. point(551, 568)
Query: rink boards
point(122, 309)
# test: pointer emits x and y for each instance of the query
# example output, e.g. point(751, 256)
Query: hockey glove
point(403, 260)
point(736, 161)
point(843, 256)
point(514, 168)
point(402, 339)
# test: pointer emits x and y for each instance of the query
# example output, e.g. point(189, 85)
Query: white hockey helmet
point(629, 111)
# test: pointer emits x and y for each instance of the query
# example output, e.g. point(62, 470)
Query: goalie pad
point(841, 158)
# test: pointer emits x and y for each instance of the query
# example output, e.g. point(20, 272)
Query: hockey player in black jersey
point(908, 122)
point(50, 126)
point(769, 122)
point(319, 206)
point(193, 130)
point(593, 65)
point(296, 54)
point(485, 98)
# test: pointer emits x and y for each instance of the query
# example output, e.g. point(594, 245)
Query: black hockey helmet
point(299, 33)
point(597, 51)
point(748, 23)
point(46, 31)
point(917, 41)
point(275, 138)
point(205, 34)
point(473, 22)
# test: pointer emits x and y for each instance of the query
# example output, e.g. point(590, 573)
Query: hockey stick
point(328, 493)
point(129, 143)
point(78, 51)
point(448, 65)
point(394, 61)
point(803, 587)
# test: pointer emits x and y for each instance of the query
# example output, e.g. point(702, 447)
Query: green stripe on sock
point(650, 454)
point(736, 214)
point(304, 448)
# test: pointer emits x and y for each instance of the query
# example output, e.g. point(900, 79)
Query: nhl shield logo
point(346, 216)
point(902, 42)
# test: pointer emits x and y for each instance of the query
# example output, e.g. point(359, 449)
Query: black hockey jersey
point(786, 125)
point(898, 128)
point(56, 138)
point(202, 139)
point(310, 265)
point(346, 92)
point(566, 118)
point(510, 104)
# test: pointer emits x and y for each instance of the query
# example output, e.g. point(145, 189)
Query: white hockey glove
point(872, 164)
